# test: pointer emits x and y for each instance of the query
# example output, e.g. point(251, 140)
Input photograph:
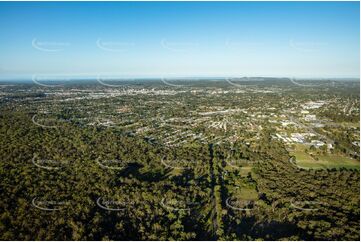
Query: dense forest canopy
point(129, 164)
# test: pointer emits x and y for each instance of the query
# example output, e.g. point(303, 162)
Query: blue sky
point(154, 39)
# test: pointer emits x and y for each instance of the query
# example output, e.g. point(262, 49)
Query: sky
point(158, 39)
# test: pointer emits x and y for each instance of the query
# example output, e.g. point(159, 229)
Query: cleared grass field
point(244, 167)
point(306, 161)
point(247, 193)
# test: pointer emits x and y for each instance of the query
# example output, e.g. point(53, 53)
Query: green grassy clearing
point(325, 161)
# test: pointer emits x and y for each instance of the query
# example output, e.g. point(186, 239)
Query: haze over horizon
point(183, 39)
